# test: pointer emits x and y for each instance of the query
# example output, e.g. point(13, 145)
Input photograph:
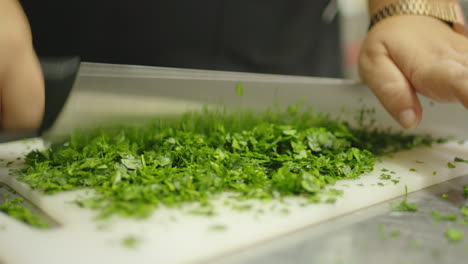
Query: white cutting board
point(172, 236)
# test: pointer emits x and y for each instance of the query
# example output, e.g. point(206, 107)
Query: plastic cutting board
point(174, 236)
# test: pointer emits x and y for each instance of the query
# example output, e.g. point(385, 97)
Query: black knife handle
point(59, 75)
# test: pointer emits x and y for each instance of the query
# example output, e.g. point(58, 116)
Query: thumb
point(391, 87)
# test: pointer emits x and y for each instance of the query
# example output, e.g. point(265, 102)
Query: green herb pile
point(192, 159)
point(14, 208)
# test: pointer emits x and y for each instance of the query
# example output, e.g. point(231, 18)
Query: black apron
point(266, 36)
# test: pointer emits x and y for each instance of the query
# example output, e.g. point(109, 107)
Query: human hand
point(409, 54)
point(21, 81)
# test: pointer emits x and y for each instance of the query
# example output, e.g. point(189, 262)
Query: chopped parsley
point(395, 181)
point(194, 158)
point(416, 243)
point(458, 159)
point(240, 89)
point(131, 242)
point(454, 235)
point(395, 234)
point(15, 209)
point(451, 165)
point(384, 176)
point(440, 217)
point(218, 227)
point(405, 206)
point(464, 210)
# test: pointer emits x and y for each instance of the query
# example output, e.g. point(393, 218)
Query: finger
point(439, 79)
point(391, 87)
point(22, 99)
point(455, 78)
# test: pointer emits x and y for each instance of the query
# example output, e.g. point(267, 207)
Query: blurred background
point(354, 23)
point(235, 35)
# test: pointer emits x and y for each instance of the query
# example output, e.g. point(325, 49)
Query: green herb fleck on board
point(454, 235)
point(203, 211)
point(240, 89)
point(412, 169)
point(434, 173)
point(420, 162)
point(405, 206)
point(465, 191)
point(416, 243)
point(395, 234)
point(444, 196)
point(458, 159)
point(131, 242)
point(464, 210)
point(384, 176)
point(15, 209)
point(451, 165)
point(395, 181)
point(440, 217)
point(218, 227)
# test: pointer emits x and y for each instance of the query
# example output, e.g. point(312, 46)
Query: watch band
point(448, 11)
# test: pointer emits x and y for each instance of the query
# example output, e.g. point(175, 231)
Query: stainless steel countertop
point(374, 235)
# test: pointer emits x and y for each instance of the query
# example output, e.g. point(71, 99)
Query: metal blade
point(120, 94)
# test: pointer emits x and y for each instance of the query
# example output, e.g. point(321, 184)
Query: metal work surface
point(375, 235)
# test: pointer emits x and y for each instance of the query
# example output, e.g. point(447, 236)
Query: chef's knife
point(85, 95)
point(109, 94)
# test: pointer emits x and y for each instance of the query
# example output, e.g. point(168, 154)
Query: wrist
point(448, 11)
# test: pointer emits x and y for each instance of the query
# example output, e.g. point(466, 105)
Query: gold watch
point(448, 11)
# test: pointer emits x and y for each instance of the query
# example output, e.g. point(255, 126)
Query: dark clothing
point(268, 36)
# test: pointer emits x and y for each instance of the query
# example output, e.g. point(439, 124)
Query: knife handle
point(59, 75)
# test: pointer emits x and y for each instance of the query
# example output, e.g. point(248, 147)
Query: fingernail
point(407, 118)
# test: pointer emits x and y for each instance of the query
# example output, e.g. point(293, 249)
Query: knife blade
point(85, 95)
point(110, 94)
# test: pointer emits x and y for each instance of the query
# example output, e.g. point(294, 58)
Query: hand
point(21, 81)
point(405, 55)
